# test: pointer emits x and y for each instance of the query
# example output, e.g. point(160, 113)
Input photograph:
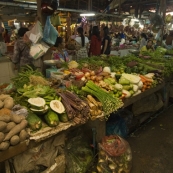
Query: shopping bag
point(50, 33)
point(36, 33)
point(38, 50)
point(55, 20)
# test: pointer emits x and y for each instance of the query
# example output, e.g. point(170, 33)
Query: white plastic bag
point(36, 33)
point(38, 50)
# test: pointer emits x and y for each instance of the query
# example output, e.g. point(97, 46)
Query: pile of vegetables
point(77, 109)
point(96, 108)
point(114, 155)
point(29, 76)
point(110, 103)
point(6, 101)
point(12, 129)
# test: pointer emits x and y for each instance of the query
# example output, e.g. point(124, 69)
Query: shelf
point(134, 99)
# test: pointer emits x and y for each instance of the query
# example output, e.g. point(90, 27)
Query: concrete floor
point(152, 145)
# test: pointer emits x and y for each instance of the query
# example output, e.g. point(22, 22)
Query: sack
point(55, 20)
point(114, 155)
point(36, 33)
point(50, 33)
point(38, 50)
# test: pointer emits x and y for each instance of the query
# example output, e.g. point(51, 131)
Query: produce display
point(88, 89)
point(12, 126)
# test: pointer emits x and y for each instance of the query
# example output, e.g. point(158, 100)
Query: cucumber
point(51, 118)
point(34, 122)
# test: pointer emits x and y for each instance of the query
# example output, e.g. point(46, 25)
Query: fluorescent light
point(87, 14)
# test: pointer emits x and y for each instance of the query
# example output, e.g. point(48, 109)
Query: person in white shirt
point(81, 44)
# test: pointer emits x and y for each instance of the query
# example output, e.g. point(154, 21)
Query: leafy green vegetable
point(23, 76)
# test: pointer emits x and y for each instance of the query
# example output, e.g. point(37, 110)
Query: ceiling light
point(87, 14)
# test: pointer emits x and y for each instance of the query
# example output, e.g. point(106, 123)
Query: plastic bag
point(55, 20)
point(78, 155)
point(38, 50)
point(119, 123)
point(50, 33)
point(114, 155)
point(36, 33)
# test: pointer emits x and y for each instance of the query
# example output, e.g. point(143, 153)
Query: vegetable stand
point(48, 132)
point(87, 92)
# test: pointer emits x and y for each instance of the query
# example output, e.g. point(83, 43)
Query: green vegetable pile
point(31, 91)
point(23, 76)
point(110, 103)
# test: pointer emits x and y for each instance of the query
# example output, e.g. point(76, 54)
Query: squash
point(34, 122)
point(57, 106)
point(51, 118)
point(40, 111)
point(37, 103)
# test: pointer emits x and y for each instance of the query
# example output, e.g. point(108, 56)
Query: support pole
point(41, 16)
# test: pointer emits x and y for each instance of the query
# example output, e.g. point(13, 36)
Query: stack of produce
point(110, 103)
point(96, 108)
point(39, 112)
point(76, 108)
point(29, 76)
point(12, 129)
point(6, 101)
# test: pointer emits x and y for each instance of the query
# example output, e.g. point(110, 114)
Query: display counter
point(47, 133)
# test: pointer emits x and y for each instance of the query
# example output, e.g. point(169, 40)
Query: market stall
point(81, 94)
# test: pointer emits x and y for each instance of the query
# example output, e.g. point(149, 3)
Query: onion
point(92, 73)
point(93, 78)
point(99, 78)
point(87, 74)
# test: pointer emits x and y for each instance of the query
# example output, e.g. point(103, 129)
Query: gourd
point(57, 106)
point(37, 103)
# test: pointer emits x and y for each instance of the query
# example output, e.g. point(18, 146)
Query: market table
point(47, 133)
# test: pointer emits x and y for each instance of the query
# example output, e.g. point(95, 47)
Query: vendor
point(143, 41)
point(169, 40)
point(59, 52)
point(148, 48)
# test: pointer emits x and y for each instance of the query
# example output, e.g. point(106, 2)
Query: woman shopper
point(59, 52)
point(106, 43)
point(95, 43)
point(81, 44)
point(21, 56)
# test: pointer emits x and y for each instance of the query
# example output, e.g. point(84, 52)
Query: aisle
point(152, 145)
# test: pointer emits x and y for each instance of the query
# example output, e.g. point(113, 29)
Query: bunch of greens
point(31, 91)
point(23, 76)
point(110, 104)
